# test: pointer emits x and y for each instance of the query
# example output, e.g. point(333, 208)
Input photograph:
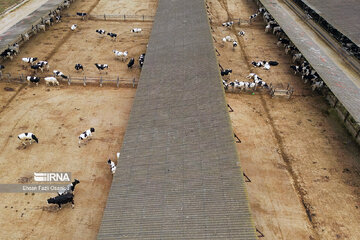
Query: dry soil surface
point(303, 165)
point(57, 115)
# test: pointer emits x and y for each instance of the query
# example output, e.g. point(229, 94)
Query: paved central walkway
point(178, 176)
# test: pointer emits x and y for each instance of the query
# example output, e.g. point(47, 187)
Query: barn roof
point(178, 176)
point(344, 15)
point(344, 85)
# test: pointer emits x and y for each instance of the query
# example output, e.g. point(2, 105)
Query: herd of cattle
point(66, 194)
point(302, 67)
point(13, 50)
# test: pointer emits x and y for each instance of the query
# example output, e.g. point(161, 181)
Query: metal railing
point(118, 17)
point(84, 80)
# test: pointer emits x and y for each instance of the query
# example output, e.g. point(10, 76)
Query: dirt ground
point(303, 165)
point(57, 115)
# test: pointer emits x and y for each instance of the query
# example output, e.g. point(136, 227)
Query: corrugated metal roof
point(178, 176)
point(340, 84)
point(343, 15)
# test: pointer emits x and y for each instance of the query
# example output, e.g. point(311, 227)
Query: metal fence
point(85, 80)
point(118, 17)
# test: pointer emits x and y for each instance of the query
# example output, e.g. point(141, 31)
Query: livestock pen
point(57, 115)
point(293, 151)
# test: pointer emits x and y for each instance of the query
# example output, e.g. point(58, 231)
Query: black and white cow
point(101, 32)
point(131, 63)
point(235, 44)
point(37, 67)
point(141, 60)
point(82, 15)
point(11, 53)
point(69, 188)
point(35, 80)
point(29, 60)
point(112, 35)
point(43, 64)
point(225, 84)
point(15, 47)
point(112, 166)
point(241, 33)
point(228, 24)
point(58, 19)
point(78, 66)
point(73, 27)
point(290, 49)
point(86, 135)
point(58, 73)
point(101, 67)
point(283, 41)
point(136, 30)
point(252, 17)
point(62, 199)
point(225, 72)
point(27, 138)
point(297, 69)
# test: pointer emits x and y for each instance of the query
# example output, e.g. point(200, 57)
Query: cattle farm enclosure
point(57, 115)
point(303, 165)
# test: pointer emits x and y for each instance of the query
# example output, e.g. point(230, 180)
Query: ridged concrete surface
point(178, 176)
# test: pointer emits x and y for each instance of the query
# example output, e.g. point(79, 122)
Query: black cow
point(131, 63)
point(62, 199)
point(273, 63)
point(78, 66)
point(81, 14)
point(1, 68)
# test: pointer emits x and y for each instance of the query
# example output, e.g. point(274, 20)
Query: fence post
point(101, 80)
point(117, 82)
point(143, 18)
point(69, 80)
point(9, 77)
point(133, 82)
point(124, 17)
point(105, 17)
point(84, 81)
